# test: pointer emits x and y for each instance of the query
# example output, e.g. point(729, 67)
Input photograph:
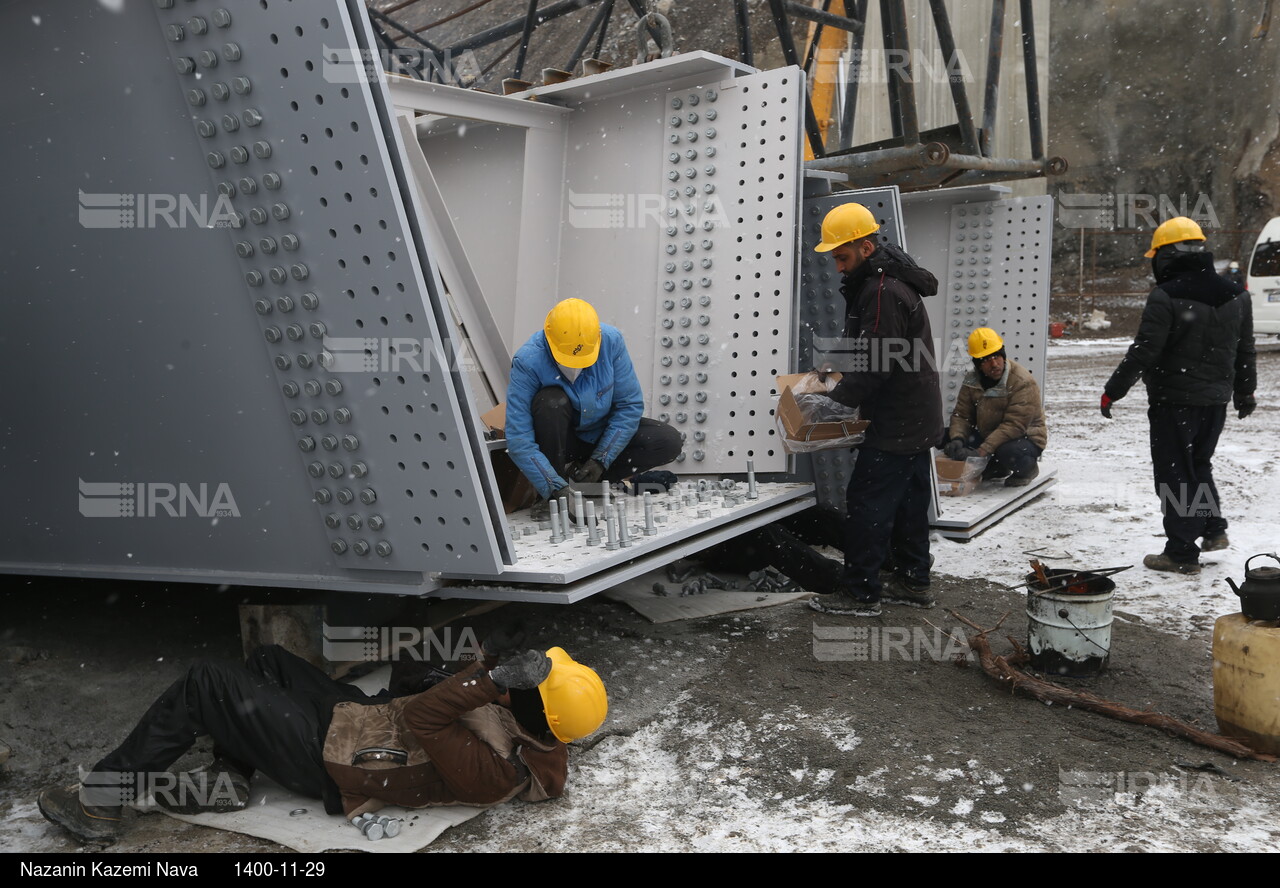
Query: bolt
point(752, 493)
point(383, 548)
point(310, 301)
point(242, 86)
point(239, 155)
point(355, 522)
point(307, 444)
point(284, 303)
point(298, 417)
point(329, 442)
point(333, 387)
point(350, 443)
point(345, 496)
point(305, 361)
point(359, 470)
point(323, 496)
point(174, 33)
point(316, 470)
point(336, 471)
point(319, 416)
point(290, 242)
point(198, 25)
point(290, 389)
point(221, 18)
point(231, 52)
point(294, 332)
point(278, 275)
point(376, 522)
point(220, 91)
point(332, 521)
point(268, 245)
point(342, 415)
point(262, 149)
point(368, 497)
point(299, 272)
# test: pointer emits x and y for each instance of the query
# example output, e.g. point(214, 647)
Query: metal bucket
point(1069, 623)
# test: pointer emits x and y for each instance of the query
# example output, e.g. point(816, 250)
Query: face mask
point(569, 373)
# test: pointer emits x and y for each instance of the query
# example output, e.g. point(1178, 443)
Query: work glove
point(522, 672)
point(955, 449)
point(824, 372)
point(503, 642)
point(1107, 401)
point(1244, 405)
point(589, 471)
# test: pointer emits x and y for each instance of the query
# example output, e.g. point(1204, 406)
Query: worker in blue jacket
point(574, 407)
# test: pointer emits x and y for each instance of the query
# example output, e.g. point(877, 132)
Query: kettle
point(1260, 594)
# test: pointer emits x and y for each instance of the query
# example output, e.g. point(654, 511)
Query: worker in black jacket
point(1194, 350)
point(890, 374)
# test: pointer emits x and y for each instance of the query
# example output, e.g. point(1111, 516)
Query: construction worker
point(1234, 274)
point(574, 408)
point(998, 414)
point(480, 737)
point(1194, 350)
point(890, 374)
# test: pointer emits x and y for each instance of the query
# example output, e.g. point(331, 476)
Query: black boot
point(101, 824)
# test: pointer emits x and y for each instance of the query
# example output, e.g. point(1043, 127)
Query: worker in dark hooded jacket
point(890, 374)
point(1195, 352)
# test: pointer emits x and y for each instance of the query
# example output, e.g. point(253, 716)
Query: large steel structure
point(261, 343)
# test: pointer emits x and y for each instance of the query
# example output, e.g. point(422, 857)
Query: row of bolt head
point(333, 521)
point(230, 122)
point(249, 185)
point(360, 547)
point(309, 301)
point(295, 332)
point(312, 388)
point(346, 497)
point(336, 470)
point(320, 416)
point(307, 444)
point(238, 154)
point(220, 91)
point(683, 379)
point(278, 275)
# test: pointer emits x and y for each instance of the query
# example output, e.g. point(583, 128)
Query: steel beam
point(467, 104)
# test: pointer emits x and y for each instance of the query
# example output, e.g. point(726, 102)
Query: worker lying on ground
point(574, 408)
point(998, 414)
point(480, 737)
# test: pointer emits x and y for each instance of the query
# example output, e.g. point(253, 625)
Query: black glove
point(523, 671)
point(955, 449)
point(503, 642)
point(589, 471)
point(1244, 405)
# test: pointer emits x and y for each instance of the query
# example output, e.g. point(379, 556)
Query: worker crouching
point(998, 414)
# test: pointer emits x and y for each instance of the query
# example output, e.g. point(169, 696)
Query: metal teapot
point(1260, 594)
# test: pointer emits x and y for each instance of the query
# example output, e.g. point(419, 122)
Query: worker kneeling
point(998, 414)
point(574, 408)
point(480, 737)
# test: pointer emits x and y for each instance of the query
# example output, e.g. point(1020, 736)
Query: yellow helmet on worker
point(845, 223)
point(572, 329)
point(983, 342)
point(1174, 231)
point(573, 697)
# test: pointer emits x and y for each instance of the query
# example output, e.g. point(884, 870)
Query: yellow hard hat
point(573, 333)
point(984, 341)
point(845, 223)
point(573, 697)
point(1176, 230)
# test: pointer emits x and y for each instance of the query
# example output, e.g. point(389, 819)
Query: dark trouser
point(270, 715)
point(888, 499)
point(1017, 457)
point(1183, 440)
point(654, 443)
point(776, 546)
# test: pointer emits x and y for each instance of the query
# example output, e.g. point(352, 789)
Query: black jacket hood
point(895, 262)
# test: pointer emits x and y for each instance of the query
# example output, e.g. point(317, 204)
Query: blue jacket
point(606, 396)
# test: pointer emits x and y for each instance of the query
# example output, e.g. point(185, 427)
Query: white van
point(1264, 279)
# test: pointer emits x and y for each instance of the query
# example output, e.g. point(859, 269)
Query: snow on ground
point(1104, 509)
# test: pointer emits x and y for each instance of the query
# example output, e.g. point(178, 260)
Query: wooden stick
point(1000, 669)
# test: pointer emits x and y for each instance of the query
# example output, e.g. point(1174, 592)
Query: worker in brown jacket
point(998, 414)
point(479, 737)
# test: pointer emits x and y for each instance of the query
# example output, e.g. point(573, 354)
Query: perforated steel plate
point(997, 276)
point(731, 156)
point(291, 134)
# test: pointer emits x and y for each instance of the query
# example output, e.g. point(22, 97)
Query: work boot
point(1215, 543)
point(101, 824)
point(1016, 480)
point(844, 604)
point(899, 590)
point(216, 789)
point(1164, 562)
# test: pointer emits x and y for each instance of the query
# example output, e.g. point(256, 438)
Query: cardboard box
point(811, 434)
point(955, 477)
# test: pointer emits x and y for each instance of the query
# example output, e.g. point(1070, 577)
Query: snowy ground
point(731, 733)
